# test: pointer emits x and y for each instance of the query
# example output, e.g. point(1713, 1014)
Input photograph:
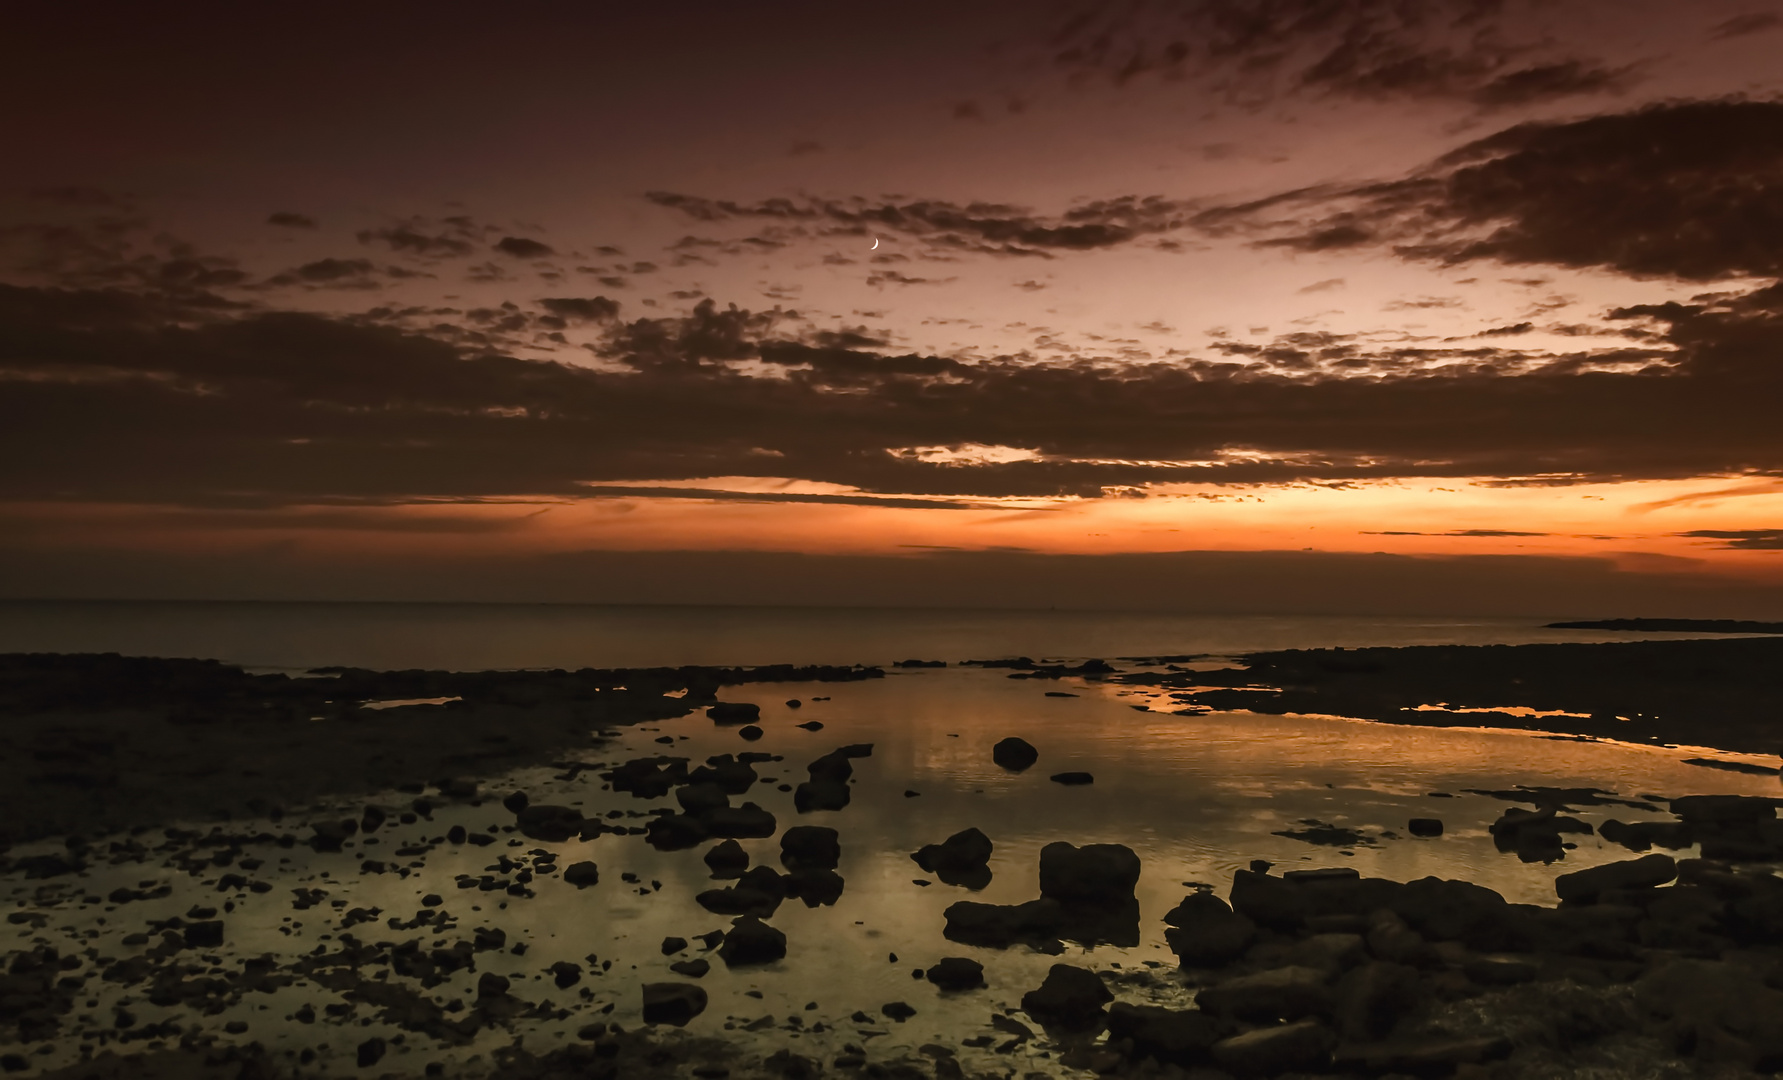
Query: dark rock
point(702, 797)
point(813, 847)
point(370, 1052)
point(750, 732)
point(748, 820)
point(811, 725)
point(727, 860)
point(1268, 901)
point(1642, 835)
point(956, 973)
point(458, 787)
point(1373, 998)
point(553, 824)
point(996, 926)
point(1182, 1037)
point(1286, 993)
point(672, 1003)
point(1584, 886)
point(961, 859)
point(565, 974)
point(1535, 835)
point(733, 775)
point(1722, 1010)
point(328, 835)
point(793, 703)
point(648, 778)
point(1329, 952)
point(673, 945)
point(1447, 910)
point(815, 887)
point(1306, 1044)
point(582, 874)
point(515, 802)
point(757, 892)
point(1425, 826)
point(1070, 997)
point(734, 712)
point(491, 985)
point(1072, 779)
point(751, 941)
point(204, 935)
point(1492, 970)
point(1428, 1056)
point(693, 969)
point(1015, 754)
point(897, 1010)
point(1205, 932)
point(675, 832)
point(820, 795)
point(1094, 873)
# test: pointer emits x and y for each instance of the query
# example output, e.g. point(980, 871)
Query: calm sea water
point(484, 636)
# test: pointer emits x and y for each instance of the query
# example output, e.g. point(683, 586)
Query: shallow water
point(1195, 796)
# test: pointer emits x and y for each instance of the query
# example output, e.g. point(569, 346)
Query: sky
point(1348, 305)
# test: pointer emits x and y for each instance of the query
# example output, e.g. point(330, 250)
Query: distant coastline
point(1674, 626)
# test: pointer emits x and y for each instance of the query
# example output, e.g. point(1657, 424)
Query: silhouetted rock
point(1584, 886)
point(515, 802)
point(648, 778)
point(1306, 1044)
point(734, 775)
point(1072, 779)
point(553, 824)
point(674, 832)
point(1425, 826)
point(701, 798)
point(1038, 923)
point(727, 860)
point(956, 973)
point(734, 712)
point(491, 985)
point(582, 874)
point(748, 820)
point(693, 969)
point(565, 974)
point(1182, 1037)
point(1424, 1056)
point(751, 941)
point(1092, 874)
point(1070, 997)
point(1535, 835)
point(1205, 932)
point(814, 887)
point(750, 732)
point(1015, 754)
point(1372, 998)
point(810, 847)
point(961, 859)
point(1286, 993)
point(1724, 1010)
point(672, 1003)
point(810, 725)
point(369, 1052)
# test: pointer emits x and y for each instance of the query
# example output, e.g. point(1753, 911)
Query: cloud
point(286, 219)
point(522, 248)
point(1323, 286)
point(1742, 539)
point(329, 273)
point(583, 309)
point(1750, 23)
point(407, 240)
point(1683, 189)
point(892, 277)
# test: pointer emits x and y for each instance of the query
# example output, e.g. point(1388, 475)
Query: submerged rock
point(553, 824)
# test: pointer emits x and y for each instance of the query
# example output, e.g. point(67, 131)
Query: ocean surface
point(473, 637)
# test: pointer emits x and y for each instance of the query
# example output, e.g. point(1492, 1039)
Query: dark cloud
point(112, 395)
point(1454, 532)
point(522, 248)
point(1743, 539)
point(1473, 51)
point(1750, 23)
point(985, 228)
point(584, 309)
point(1508, 331)
point(1688, 190)
point(892, 277)
point(287, 219)
point(334, 273)
point(409, 241)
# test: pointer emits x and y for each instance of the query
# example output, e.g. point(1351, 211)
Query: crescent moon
point(875, 246)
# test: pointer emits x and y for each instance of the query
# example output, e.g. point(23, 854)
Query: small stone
point(582, 874)
point(1425, 826)
point(897, 1010)
point(672, 1003)
point(957, 973)
point(1015, 754)
point(1072, 779)
point(370, 1052)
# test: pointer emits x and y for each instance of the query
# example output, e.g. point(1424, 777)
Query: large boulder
point(998, 926)
point(815, 887)
point(1070, 997)
point(1285, 993)
point(734, 712)
point(814, 847)
point(1268, 1051)
point(1373, 998)
point(962, 859)
point(1092, 874)
point(674, 832)
point(1015, 754)
point(701, 798)
point(672, 1003)
point(582, 874)
point(553, 824)
point(751, 941)
point(1584, 886)
point(1205, 932)
point(1182, 1037)
point(956, 973)
point(757, 892)
point(1535, 835)
point(727, 859)
point(748, 820)
point(1268, 901)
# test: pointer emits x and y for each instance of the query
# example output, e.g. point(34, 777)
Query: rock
point(491, 985)
point(1268, 901)
point(328, 835)
point(1072, 779)
point(1584, 886)
point(1499, 970)
point(1330, 952)
point(370, 1052)
point(897, 1010)
point(794, 703)
point(1267, 1051)
point(997, 926)
point(582, 874)
point(1182, 1037)
point(565, 974)
point(1447, 910)
point(727, 860)
point(553, 824)
point(1391, 939)
point(748, 820)
point(820, 795)
point(1723, 1010)
point(961, 859)
point(956, 973)
point(810, 725)
point(701, 798)
point(734, 712)
point(751, 941)
point(673, 945)
point(1094, 873)
point(458, 787)
point(674, 832)
point(750, 732)
point(757, 892)
point(204, 935)
point(693, 969)
point(1285, 993)
point(813, 847)
point(1372, 999)
point(1425, 826)
point(815, 887)
point(1205, 932)
point(672, 1003)
point(1015, 754)
point(1429, 1056)
point(1070, 997)
point(515, 802)
point(1534, 835)
point(733, 775)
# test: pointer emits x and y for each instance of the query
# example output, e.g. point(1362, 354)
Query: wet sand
point(148, 950)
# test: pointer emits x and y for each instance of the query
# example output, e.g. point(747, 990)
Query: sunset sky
point(1344, 304)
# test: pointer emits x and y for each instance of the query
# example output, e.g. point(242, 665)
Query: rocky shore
point(139, 947)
